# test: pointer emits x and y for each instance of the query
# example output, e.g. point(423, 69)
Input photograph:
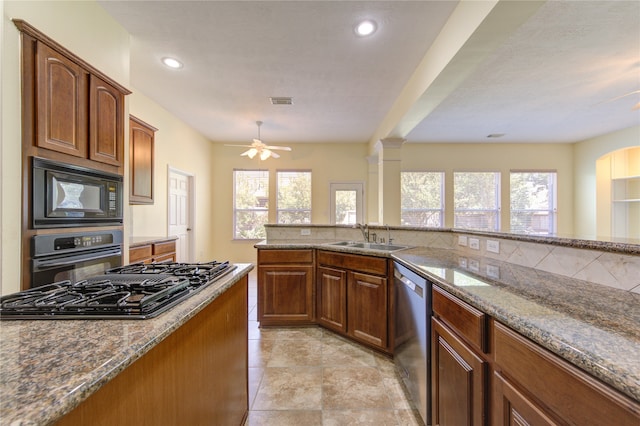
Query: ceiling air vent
point(281, 100)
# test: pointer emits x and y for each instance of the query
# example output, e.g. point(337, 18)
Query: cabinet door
point(512, 408)
point(285, 295)
point(62, 103)
point(106, 126)
point(458, 380)
point(332, 298)
point(141, 139)
point(367, 308)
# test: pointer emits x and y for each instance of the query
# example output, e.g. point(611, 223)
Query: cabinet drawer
point(354, 262)
point(163, 248)
point(284, 256)
point(170, 257)
point(140, 253)
point(558, 386)
point(466, 320)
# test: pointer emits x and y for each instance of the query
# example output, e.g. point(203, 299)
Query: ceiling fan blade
point(274, 155)
point(242, 146)
point(282, 148)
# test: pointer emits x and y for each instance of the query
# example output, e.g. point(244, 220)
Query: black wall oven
point(74, 256)
point(65, 195)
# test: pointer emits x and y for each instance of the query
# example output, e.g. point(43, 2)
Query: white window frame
point(278, 209)
point(358, 187)
point(496, 210)
point(552, 212)
point(236, 210)
point(441, 210)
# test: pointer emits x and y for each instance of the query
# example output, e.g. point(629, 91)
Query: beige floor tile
point(359, 417)
point(255, 378)
point(409, 418)
point(260, 352)
point(287, 353)
point(291, 388)
point(285, 418)
point(337, 351)
point(353, 388)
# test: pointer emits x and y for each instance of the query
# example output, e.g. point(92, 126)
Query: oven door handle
point(76, 259)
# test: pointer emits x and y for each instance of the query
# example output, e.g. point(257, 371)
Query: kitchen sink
point(368, 246)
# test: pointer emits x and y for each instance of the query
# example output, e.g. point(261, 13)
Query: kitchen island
point(188, 361)
point(591, 326)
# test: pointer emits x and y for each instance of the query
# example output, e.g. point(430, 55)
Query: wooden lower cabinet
point(533, 386)
point(485, 373)
point(367, 306)
point(158, 252)
point(459, 375)
point(285, 287)
point(332, 299)
point(196, 376)
point(353, 297)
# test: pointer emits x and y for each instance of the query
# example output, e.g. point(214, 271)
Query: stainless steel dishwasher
point(412, 346)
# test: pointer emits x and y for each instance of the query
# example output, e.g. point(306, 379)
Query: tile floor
point(310, 376)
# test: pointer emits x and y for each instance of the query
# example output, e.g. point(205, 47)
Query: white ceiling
point(556, 73)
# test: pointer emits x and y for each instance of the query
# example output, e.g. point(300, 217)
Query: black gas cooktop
point(135, 291)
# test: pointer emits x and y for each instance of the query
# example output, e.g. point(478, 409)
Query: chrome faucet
point(365, 231)
point(389, 239)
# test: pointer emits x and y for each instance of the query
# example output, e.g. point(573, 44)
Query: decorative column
point(389, 167)
point(372, 190)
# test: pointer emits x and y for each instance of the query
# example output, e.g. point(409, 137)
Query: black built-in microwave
point(65, 195)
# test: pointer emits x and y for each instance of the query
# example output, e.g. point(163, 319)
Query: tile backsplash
point(617, 270)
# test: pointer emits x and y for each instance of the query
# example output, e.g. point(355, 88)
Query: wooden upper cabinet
point(106, 106)
point(62, 101)
point(71, 111)
point(141, 140)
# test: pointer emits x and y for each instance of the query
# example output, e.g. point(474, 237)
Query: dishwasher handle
point(416, 288)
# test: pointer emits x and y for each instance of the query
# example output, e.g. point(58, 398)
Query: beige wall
point(586, 154)
point(501, 158)
point(86, 30)
point(180, 147)
point(329, 163)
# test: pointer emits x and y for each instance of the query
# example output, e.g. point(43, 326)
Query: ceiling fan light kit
point(259, 147)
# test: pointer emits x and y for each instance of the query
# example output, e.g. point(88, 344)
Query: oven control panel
point(83, 241)
point(49, 244)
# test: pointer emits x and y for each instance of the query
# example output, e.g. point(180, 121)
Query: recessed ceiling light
point(366, 28)
point(172, 63)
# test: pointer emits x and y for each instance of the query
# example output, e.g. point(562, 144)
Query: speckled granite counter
point(594, 327)
point(142, 241)
point(48, 367)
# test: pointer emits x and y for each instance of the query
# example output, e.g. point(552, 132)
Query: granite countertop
point(142, 241)
point(48, 367)
point(594, 327)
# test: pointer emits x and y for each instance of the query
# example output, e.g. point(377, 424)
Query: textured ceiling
point(552, 77)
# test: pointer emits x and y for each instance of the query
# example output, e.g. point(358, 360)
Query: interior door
point(347, 203)
point(180, 213)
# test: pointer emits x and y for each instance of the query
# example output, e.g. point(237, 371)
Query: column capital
point(390, 143)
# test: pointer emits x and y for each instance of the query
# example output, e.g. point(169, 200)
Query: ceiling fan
point(259, 147)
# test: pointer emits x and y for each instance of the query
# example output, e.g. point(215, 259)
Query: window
point(347, 203)
point(422, 199)
point(533, 202)
point(476, 200)
point(293, 204)
point(250, 203)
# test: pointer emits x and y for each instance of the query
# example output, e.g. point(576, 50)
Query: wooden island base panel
point(196, 376)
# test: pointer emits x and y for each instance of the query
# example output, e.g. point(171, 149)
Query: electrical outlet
point(462, 240)
point(474, 243)
point(474, 265)
point(493, 271)
point(462, 262)
point(493, 246)
point(305, 231)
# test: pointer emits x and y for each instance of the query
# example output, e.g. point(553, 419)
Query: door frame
point(191, 204)
point(357, 186)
